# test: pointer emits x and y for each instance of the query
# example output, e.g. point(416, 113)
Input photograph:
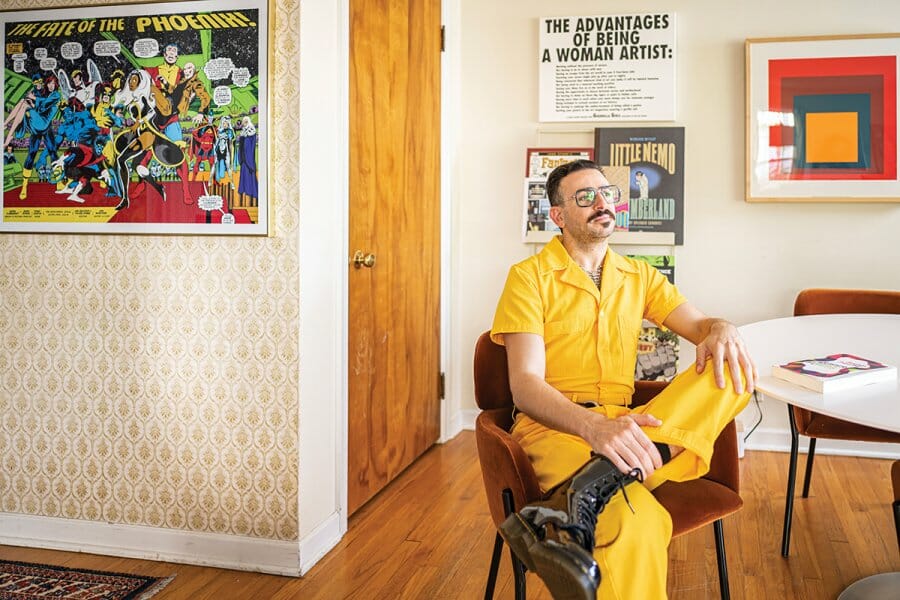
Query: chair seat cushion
point(822, 426)
point(694, 504)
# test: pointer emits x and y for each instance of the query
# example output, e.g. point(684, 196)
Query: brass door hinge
point(441, 386)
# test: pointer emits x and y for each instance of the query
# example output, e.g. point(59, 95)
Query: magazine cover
point(655, 157)
point(657, 358)
point(539, 162)
point(537, 208)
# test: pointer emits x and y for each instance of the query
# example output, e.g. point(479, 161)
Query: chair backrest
point(504, 464)
point(818, 301)
point(491, 375)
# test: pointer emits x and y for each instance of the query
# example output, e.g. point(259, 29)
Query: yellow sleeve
point(521, 308)
point(661, 296)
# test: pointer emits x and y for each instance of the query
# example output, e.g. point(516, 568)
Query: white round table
point(876, 337)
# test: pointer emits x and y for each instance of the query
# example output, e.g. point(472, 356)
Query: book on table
point(834, 372)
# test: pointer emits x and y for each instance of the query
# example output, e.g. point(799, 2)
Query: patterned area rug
point(31, 581)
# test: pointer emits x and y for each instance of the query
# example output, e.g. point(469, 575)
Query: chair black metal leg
point(792, 481)
point(518, 576)
point(810, 455)
point(721, 560)
point(495, 566)
point(509, 507)
point(897, 520)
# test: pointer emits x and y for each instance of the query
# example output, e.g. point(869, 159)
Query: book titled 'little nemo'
point(835, 372)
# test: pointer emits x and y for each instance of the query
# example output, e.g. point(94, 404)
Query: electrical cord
point(758, 421)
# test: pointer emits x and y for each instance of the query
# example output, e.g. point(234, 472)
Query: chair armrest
point(644, 391)
point(724, 467)
point(504, 464)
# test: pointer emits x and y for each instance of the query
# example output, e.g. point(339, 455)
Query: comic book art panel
point(145, 118)
point(822, 119)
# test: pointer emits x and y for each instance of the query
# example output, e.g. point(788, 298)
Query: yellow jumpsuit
point(590, 338)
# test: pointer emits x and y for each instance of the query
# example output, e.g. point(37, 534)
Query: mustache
point(602, 212)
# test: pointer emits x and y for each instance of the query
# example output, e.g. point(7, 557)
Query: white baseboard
point(467, 418)
point(779, 440)
point(151, 543)
point(319, 542)
point(453, 425)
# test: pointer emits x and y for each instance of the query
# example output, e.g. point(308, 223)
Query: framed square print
point(821, 119)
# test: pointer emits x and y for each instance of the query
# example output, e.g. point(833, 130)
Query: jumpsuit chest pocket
point(570, 344)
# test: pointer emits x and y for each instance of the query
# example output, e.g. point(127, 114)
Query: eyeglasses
point(588, 196)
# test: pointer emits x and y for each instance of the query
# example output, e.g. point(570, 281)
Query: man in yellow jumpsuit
point(570, 318)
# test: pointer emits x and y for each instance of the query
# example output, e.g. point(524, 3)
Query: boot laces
point(591, 501)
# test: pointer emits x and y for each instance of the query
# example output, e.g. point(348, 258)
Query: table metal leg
point(792, 481)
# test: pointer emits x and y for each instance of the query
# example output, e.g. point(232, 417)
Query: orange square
point(832, 137)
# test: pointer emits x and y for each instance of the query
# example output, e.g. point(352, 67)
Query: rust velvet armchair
point(510, 482)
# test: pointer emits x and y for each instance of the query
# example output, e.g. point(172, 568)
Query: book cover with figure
point(655, 158)
point(834, 372)
point(657, 358)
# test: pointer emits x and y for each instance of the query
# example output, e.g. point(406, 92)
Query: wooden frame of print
point(540, 161)
point(143, 118)
point(821, 119)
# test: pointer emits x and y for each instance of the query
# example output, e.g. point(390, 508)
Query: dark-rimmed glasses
point(588, 196)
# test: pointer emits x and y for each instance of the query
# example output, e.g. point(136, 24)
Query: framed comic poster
point(144, 118)
point(822, 119)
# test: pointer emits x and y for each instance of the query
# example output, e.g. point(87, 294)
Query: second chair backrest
point(821, 301)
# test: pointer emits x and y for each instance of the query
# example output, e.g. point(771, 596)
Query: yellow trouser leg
point(631, 549)
point(693, 411)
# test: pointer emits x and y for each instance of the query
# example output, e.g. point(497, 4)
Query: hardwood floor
point(429, 535)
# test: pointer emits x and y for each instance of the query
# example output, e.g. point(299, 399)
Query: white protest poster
point(607, 68)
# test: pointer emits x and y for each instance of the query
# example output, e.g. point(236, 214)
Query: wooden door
point(394, 311)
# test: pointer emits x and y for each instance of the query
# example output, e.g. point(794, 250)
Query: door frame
point(323, 260)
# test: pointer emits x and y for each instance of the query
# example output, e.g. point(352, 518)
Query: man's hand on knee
point(725, 345)
point(623, 442)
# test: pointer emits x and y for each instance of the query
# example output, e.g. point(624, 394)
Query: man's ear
point(556, 216)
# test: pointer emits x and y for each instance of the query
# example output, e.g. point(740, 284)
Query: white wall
point(745, 262)
point(322, 443)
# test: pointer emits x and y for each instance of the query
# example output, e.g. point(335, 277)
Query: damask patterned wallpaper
point(152, 380)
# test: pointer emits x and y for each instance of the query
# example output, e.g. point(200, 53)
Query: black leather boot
point(554, 538)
